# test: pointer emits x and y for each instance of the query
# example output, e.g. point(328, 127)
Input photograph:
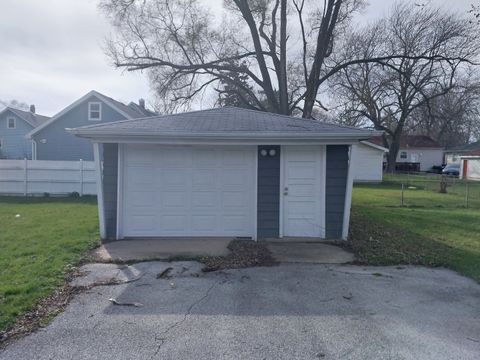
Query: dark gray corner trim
point(110, 181)
point(335, 189)
point(268, 192)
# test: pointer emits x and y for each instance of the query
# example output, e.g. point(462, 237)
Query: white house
point(416, 151)
point(225, 172)
point(368, 164)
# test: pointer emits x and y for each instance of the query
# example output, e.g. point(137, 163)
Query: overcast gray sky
point(51, 52)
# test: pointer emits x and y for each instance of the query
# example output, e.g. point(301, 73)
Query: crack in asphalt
point(162, 336)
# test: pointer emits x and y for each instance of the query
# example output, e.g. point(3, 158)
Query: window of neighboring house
point(403, 155)
point(1, 143)
point(94, 111)
point(11, 123)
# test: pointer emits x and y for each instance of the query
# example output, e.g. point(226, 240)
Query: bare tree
point(14, 104)
point(283, 48)
point(452, 119)
point(386, 94)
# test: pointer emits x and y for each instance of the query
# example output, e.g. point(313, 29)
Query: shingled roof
point(227, 121)
point(31, 118)
point(410, 141)
point(470, 149)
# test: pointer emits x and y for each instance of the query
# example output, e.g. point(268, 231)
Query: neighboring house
point(452, 156)
point(368, 164)
point(14, 124)
point(419, 150)
point(224, 172)
point(52, 142)
point(470, 167)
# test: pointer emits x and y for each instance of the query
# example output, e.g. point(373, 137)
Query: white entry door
point(303, 194)
point(188, 191)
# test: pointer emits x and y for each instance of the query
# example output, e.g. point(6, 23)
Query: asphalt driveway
point(294, 311)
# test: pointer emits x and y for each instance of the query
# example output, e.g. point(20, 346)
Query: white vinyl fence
point(37, 177)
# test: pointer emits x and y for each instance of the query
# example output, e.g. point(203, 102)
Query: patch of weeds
point(377, 243)
point(243, 253)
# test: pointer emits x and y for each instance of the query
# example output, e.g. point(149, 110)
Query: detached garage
point(224, 172)
point(368, 162)
point(470, 167)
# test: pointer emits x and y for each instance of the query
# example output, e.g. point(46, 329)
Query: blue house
point(52, 142)
point(14, 125)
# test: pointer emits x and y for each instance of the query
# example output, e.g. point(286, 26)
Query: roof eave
point(142, 136)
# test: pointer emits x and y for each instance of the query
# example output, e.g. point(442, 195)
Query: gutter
point(144, 135)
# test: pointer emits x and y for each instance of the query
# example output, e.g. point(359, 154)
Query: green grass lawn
point(37, 246)
point(434, 230)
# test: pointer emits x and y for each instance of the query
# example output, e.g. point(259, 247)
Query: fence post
point(466, 194)
point(81, 177)
point(25, 177)
point(403, 186)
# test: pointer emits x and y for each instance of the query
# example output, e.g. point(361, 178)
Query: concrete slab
point(98, 273)
point(290, 311)
point(310, 252)
point(161, 248)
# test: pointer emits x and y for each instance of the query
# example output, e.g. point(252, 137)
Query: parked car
point(436, 169)
point(451, 169)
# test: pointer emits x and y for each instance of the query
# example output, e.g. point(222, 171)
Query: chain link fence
point(430, 190)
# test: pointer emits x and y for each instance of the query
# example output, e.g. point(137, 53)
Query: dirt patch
point(244, 253)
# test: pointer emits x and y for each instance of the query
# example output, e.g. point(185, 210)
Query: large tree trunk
point(392, 157)
point(282, 76)
point(324, 39)
point(393, 150)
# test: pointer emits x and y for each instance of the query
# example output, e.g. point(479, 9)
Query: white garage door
point(188, 191)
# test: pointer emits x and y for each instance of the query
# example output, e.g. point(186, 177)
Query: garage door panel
point(234, 177)
point(141, 175)
point(142, 199)
point(140, 156)
point(189, 191)
point(234, 158)
point(175, 177)
point(174, 222)
point(173, 199)
point(234, 222)
point(142, 223)
point(204, 177)
point(175, 158)
point(204, 223)
point(204, 199)
point(234, 199)
point(205, 158)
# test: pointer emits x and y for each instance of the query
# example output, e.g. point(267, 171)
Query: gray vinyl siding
point(14, 145)
point(268, 193)
point(60, 145)
point(110, 175)
point(336, 185)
